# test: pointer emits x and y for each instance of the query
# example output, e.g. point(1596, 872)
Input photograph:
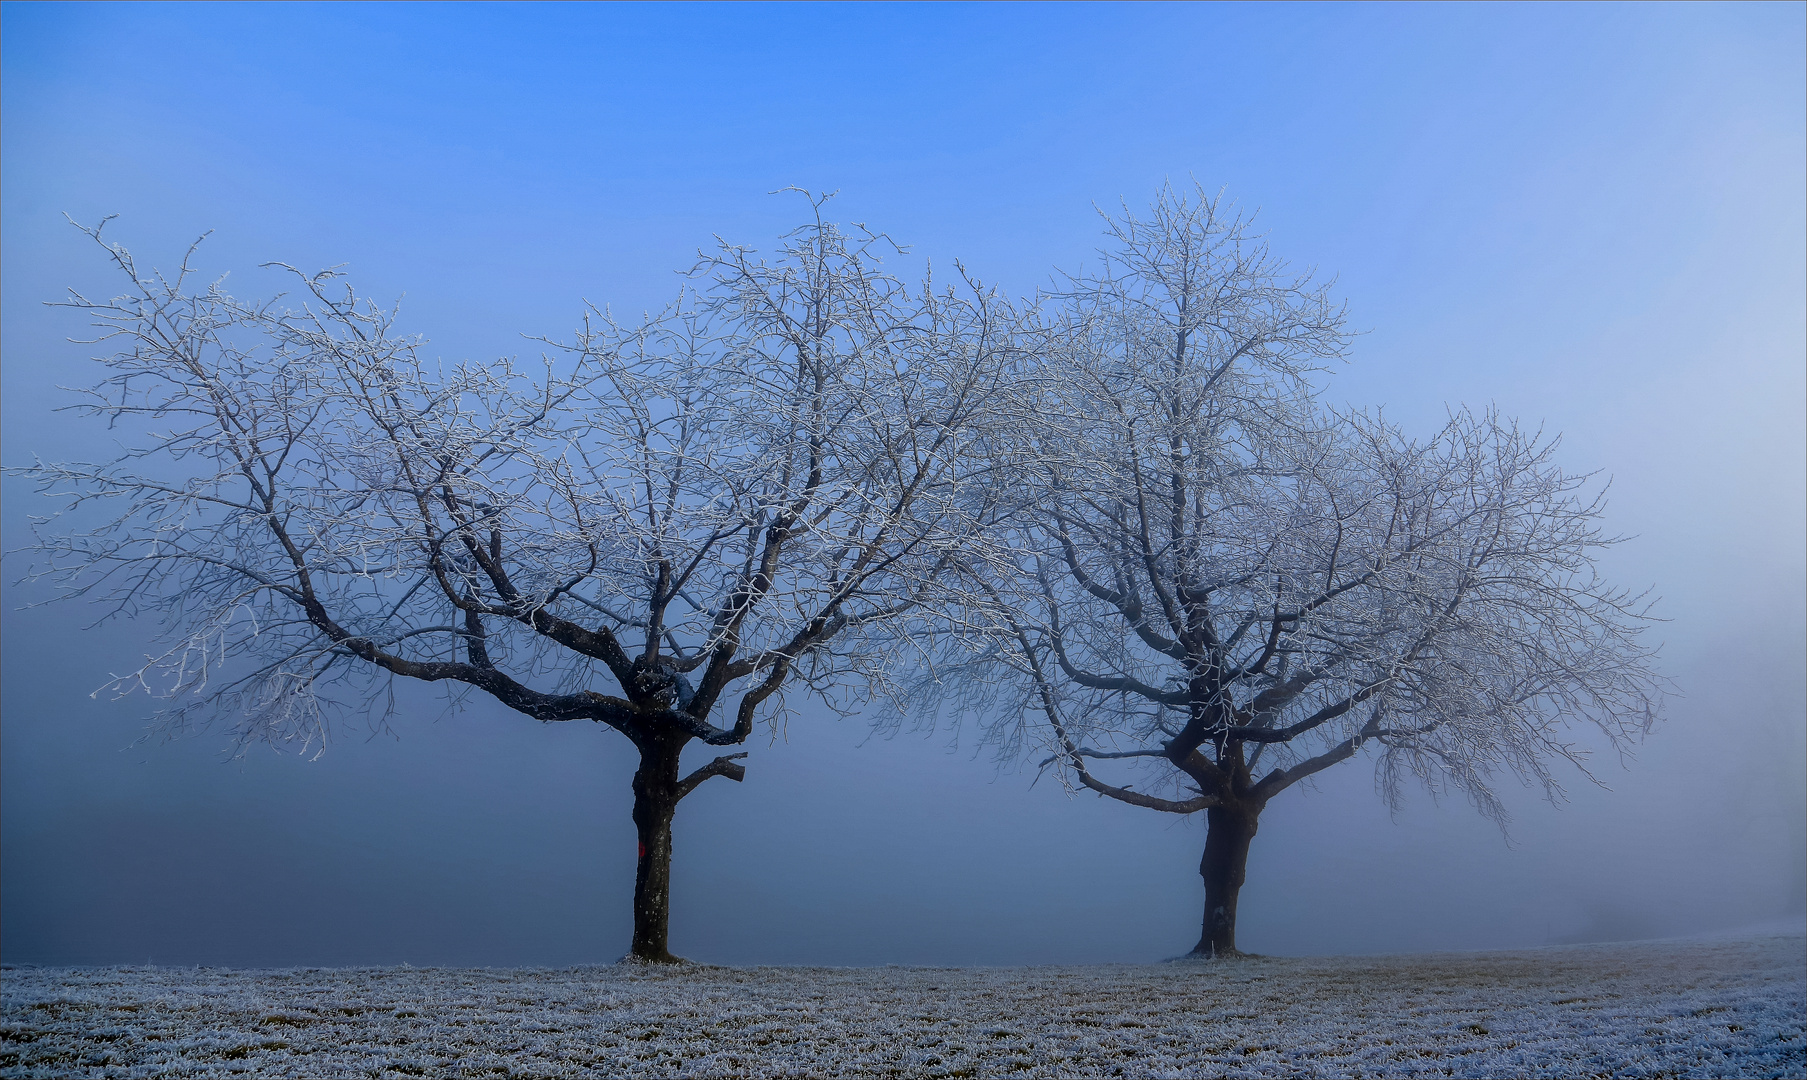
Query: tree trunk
point(655, 801)
point(1228, 831)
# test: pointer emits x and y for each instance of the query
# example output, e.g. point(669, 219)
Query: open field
point(1707, 1008)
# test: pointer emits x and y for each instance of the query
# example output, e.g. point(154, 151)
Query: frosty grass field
point(1730, 1006)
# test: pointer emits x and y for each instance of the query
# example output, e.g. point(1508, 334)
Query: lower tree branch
point(721, 766)
point(1281, 779)
point(1136, 798)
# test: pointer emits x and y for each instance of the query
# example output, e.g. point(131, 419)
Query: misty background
point(1592, 216)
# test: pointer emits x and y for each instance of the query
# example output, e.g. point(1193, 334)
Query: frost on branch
point(757, 485)
point(657, 526)
point(1204, 571)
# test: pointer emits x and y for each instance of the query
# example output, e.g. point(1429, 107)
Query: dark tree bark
point(1229, 830)
point(656, 798)
point(657, 792)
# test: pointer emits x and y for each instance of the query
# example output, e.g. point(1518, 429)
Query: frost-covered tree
point(1211, 575)
point(659, 528)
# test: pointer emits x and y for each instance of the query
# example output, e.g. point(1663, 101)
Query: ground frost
point(1729, 1007)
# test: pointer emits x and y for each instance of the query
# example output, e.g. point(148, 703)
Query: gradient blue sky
point(1592, 215)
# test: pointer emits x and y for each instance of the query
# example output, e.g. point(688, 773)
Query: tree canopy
point(1206, 569)
point(1118, 522)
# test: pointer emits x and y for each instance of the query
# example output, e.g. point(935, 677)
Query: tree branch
point(722, 766)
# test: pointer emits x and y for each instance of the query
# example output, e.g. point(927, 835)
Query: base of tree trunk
point(1221, 954)
point(661, 958)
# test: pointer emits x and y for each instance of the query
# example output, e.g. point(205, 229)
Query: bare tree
point(652, 526)
point(1211, 575)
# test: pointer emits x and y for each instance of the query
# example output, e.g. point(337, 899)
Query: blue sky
point(1592, 215)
